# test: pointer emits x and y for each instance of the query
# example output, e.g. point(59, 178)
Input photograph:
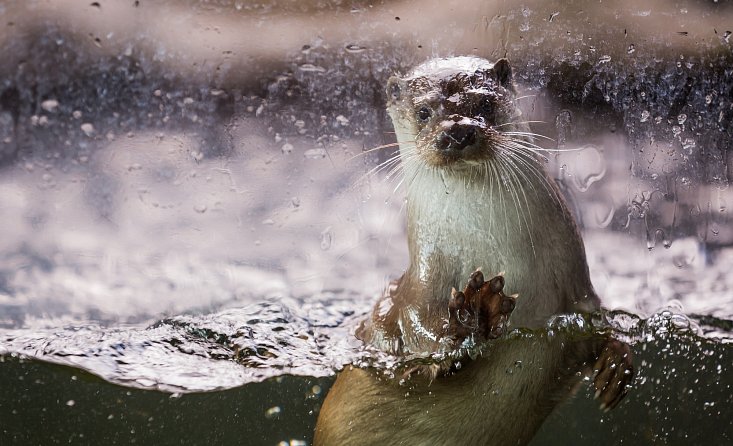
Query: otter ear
point(503, 72)
point(395, 87)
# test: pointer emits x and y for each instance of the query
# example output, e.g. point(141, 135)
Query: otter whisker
point(528, 134)
point(515, 171)
point(394, 170)
point(496, 126)
point(524, 143)
point(515, 159)
point(381, 166)
point(499, 180)
point(538, 172)
point(512, 182)
point(515, 146)
point(544, 149)
point(525, 96)
point(385, 164)
point(492, 177)
point(374, 149)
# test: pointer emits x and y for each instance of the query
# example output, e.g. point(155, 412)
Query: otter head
point(452, 111)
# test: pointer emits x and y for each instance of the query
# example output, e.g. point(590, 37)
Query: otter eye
point(424, 114)
point(485, 107)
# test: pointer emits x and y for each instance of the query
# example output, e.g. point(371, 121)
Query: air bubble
point(273, 412)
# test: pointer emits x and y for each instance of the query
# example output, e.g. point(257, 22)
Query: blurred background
point(187, 205)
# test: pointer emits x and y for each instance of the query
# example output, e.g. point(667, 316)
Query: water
point(190, 234)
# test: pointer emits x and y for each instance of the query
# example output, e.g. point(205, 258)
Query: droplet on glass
point(354, 48)
point(310, 68)
point(315, 153)
point(50, 105)
point(326, 239)
point(87, 128)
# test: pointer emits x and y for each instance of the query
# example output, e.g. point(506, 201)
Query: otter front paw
point(614, 373)
point(481, 309)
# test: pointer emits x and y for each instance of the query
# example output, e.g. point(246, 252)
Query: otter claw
point(476, 280)
point(614, 373)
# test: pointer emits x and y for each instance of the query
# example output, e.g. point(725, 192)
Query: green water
point(683, 395)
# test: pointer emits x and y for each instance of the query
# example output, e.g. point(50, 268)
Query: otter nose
point(456, 135)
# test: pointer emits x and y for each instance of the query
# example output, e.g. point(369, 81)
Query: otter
point(477, 197)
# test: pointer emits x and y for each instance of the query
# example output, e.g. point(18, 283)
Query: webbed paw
point(614, 373)
point(481, 309)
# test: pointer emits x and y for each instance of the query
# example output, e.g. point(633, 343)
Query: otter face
point(453, 110)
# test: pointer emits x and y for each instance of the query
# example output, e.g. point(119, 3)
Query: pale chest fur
point(460, 222)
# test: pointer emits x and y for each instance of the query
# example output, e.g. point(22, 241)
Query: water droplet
point(590, 166)
point(644, 115)
point(603, 220)
point(70, 403)
point(564, 125)
point(342, 120)
point(295, 201)
point(87, 128)
point(326, 239)
point(50, 105)
point(604, 59)
point(310, 68)
point(200, 208)
point(287, 148)
point(631, 49)
point(354, 48)
point(315, 153)
point(689, 144)
point(681, 118)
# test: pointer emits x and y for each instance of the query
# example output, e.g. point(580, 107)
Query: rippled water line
point(251, 344)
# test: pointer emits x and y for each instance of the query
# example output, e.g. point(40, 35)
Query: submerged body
point(477, 197)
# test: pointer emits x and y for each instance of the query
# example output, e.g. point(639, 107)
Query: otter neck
point(460, 220)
